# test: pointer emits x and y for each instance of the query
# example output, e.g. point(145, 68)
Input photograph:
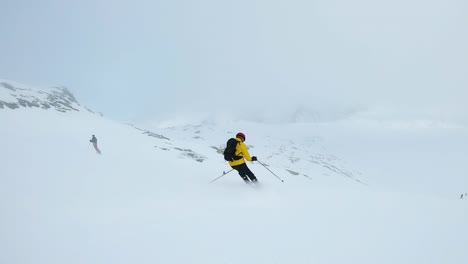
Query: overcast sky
point(138, 59)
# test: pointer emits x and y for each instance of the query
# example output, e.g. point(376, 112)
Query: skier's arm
point(245, 152)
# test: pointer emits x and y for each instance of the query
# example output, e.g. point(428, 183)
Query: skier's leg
point(242, 173)
point(247, 172)
point(250, 174)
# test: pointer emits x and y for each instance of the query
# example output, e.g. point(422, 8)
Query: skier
point(94, 141)
point(239, 164)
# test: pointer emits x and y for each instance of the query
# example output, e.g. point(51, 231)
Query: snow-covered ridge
point(14, 96)
point(298, 158)
point(202, 143)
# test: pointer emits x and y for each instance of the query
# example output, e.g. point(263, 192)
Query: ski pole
point(224, 173)
point(270, 171)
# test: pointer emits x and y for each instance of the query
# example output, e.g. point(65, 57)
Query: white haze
point(158, 58)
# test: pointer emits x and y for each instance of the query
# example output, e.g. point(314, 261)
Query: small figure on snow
point(94, 141)
point(235, 153)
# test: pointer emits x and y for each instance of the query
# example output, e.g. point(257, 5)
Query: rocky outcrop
point(57, 98)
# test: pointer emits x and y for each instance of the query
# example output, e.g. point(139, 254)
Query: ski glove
point(254, 158)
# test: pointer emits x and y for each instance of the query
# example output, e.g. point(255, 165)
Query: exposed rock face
point(57, 98)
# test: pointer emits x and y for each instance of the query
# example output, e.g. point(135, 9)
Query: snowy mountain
point(353, 192)
point(14, 95)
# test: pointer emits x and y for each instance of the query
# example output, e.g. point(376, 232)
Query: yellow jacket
point(241, 150)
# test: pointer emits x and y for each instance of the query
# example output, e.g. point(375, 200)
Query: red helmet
point(241, 135)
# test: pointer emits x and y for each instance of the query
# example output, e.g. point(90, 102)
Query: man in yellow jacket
point(239, 164)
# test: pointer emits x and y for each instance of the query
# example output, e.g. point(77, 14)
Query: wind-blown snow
point(351, 194)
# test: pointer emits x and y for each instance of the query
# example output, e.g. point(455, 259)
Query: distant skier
point(94, 141)
point(235, 153)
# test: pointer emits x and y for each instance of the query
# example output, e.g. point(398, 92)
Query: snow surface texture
point(352, 193)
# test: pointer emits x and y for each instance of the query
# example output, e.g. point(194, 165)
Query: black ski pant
point(245, 172)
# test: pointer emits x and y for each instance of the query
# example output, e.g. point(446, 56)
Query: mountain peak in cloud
point(14, 95)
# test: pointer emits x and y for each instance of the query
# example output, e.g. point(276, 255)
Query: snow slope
point(147, 198)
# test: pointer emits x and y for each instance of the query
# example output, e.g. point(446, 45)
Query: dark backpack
point(230, 150)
